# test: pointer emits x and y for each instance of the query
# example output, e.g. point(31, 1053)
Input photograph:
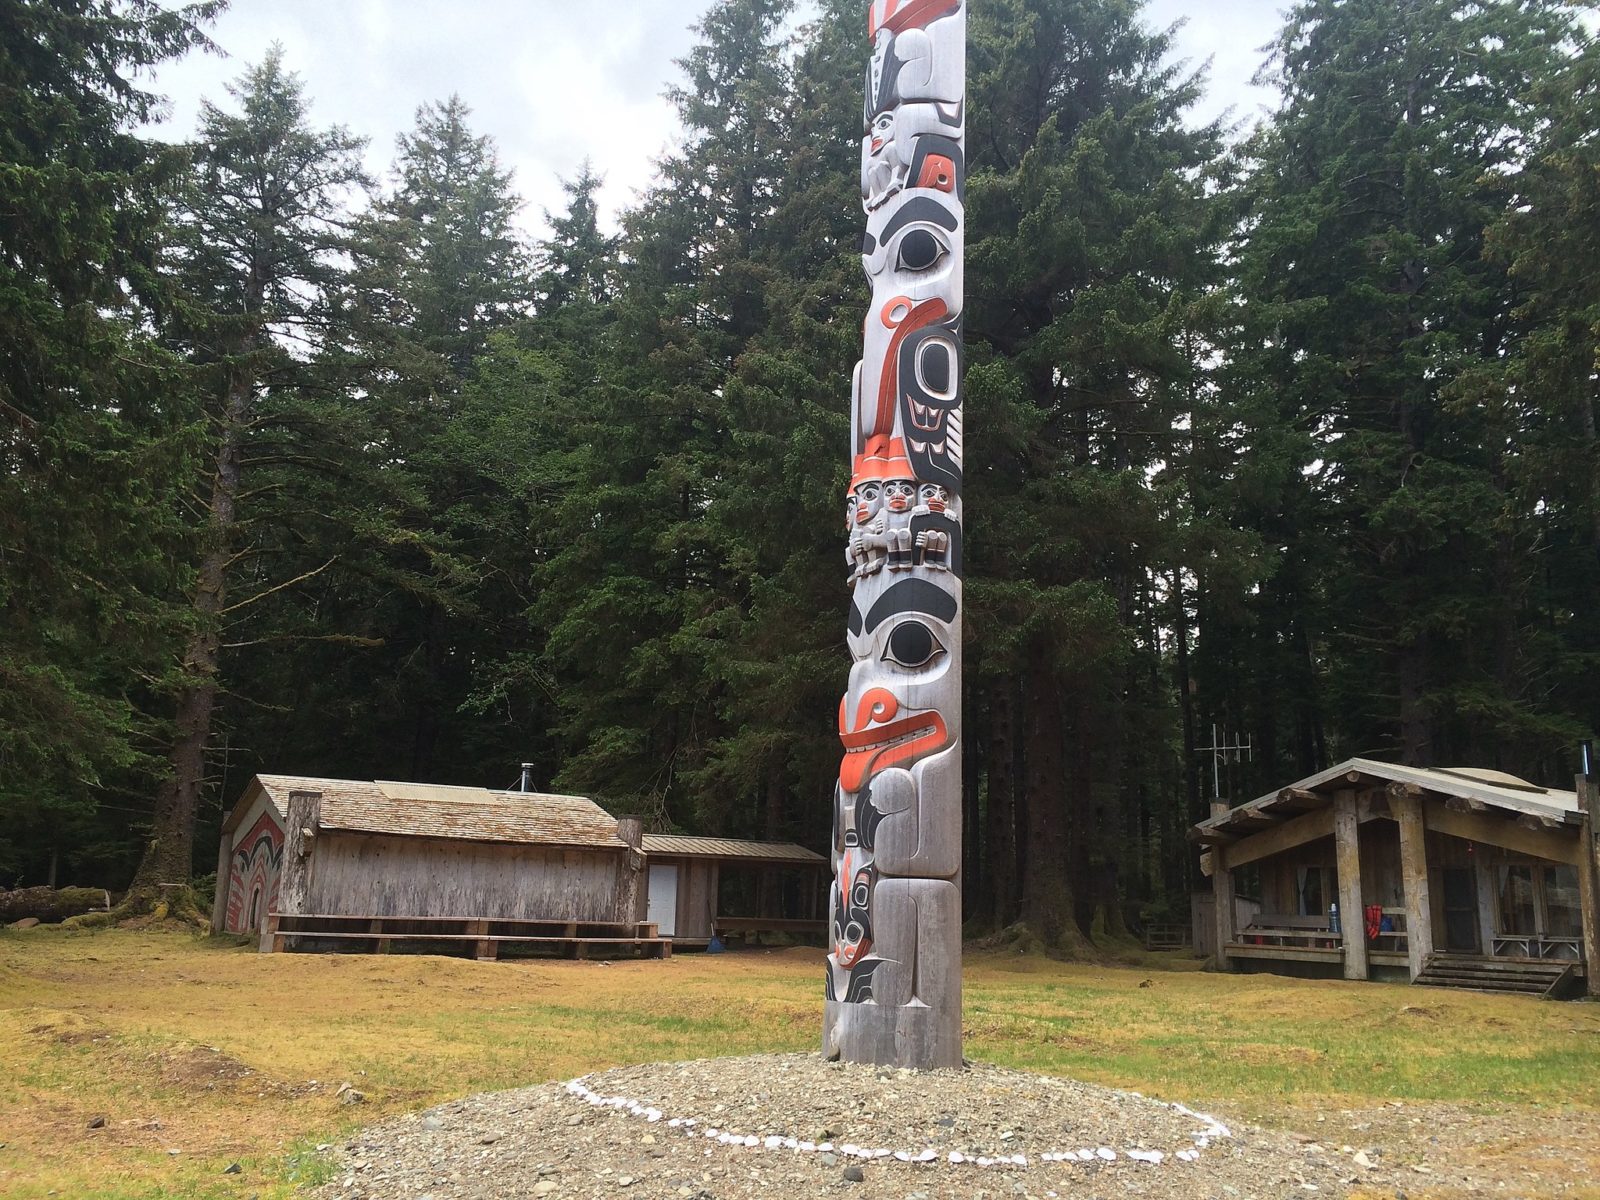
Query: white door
point(663, 900)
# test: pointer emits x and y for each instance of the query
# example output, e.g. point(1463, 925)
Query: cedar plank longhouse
point(358, 864)
point(1463, 877)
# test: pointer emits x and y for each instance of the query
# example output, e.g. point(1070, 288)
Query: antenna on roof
point(1222, 750)
point(1587, 748)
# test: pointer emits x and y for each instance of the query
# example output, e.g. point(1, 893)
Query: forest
point(1286, 429)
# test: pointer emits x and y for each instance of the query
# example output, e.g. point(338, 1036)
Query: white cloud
point(556, 81)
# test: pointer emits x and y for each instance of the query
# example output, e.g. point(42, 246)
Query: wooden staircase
point(1545, 978)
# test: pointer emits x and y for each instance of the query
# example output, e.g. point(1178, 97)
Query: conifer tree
point(253, 247)
point(94, 418)
point(1373, 300)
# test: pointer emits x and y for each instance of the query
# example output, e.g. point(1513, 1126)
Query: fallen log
point(51, 904)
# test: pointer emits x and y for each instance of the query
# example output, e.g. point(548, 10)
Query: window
point(1562, 915)
point(1315, 886)
point(1517, 910)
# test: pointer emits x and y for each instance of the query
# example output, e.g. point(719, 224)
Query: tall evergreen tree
point(1372, 301)
point(93, 421)
point(1089, 255)
point(253, 246)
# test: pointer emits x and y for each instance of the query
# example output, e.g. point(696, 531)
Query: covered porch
point(1375, 871)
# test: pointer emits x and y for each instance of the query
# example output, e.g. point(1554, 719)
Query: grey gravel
point(980, 1110)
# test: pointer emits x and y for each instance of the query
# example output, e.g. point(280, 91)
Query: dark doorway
point(1461, 911)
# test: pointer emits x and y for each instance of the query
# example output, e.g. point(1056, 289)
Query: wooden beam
point(1291, 833)
point(1222, 889)
point(1414, 876)
point(1529, 821)
point(1589, 881)
point(1463, 804)
point(1252, 820)
point(1299, 799)
point(1508, 835)
point(1352, 921)
point(301, 816)
point(1210, 837)
point(219, 901)
point(1207, 865)
point(1488, 904)
point(1223, 908)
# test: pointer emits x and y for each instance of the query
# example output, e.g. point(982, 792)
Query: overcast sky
point(555, 81)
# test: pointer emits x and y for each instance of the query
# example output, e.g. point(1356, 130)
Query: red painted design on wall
point(253, 874)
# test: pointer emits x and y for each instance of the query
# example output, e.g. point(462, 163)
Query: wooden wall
point(697, 895)
point(377, 875)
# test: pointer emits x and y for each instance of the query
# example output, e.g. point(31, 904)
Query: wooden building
point(1461, 877)
point(702, 885)
point(320, 863)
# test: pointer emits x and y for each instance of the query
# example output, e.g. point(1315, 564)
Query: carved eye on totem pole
point(891, 714)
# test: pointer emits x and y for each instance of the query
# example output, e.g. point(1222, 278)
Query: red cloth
point(1374, 915)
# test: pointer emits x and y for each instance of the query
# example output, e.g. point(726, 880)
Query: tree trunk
point(169, 855)
point(773, 823)
point(1047, 902)
point(974, 901)
point(1000, 817)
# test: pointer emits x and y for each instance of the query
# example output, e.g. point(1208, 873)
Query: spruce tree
point(253, 246)
point(94, 414)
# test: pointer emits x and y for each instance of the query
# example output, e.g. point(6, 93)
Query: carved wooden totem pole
point(894, 959)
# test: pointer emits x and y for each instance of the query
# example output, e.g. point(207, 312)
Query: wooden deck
point(1327, 952)
point(483, 936)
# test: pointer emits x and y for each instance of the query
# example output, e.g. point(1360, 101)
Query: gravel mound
point(794, 1125)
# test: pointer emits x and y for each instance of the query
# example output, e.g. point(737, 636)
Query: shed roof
point(672, 845)
point(459, 813)
point(1513, 797)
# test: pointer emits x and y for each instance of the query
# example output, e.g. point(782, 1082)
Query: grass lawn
point(204, 1048)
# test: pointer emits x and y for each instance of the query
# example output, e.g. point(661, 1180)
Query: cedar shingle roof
point(462, 813)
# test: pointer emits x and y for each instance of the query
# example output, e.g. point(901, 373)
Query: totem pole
point(894, 957)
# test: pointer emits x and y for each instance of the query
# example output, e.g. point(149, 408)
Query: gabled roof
point(672, 845)
point(1513, 797)
point(458, 813)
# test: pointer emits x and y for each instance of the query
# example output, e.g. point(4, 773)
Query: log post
point(301, 817)
point(632, 897)
point(1222, 887)
point(1488, 901)
point(1346, 839)
point(219, 900)
point(1414, 874)
point(1589, 881)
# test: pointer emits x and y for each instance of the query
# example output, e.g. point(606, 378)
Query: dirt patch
point(200, 1066)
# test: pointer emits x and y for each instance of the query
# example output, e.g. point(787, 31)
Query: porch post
point(300, 819)
point(1589, 881)
point(1488, 901)
point(1414, 874)
point(1222, 885)
point(219, 899)
point(1352, 922)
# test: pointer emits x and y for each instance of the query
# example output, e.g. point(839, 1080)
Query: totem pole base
point(915, 1036)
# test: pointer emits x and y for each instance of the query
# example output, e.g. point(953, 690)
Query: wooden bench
point(1289, 929)
point(487, 934)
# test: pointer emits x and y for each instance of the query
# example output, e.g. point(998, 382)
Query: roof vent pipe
point(527, 778)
